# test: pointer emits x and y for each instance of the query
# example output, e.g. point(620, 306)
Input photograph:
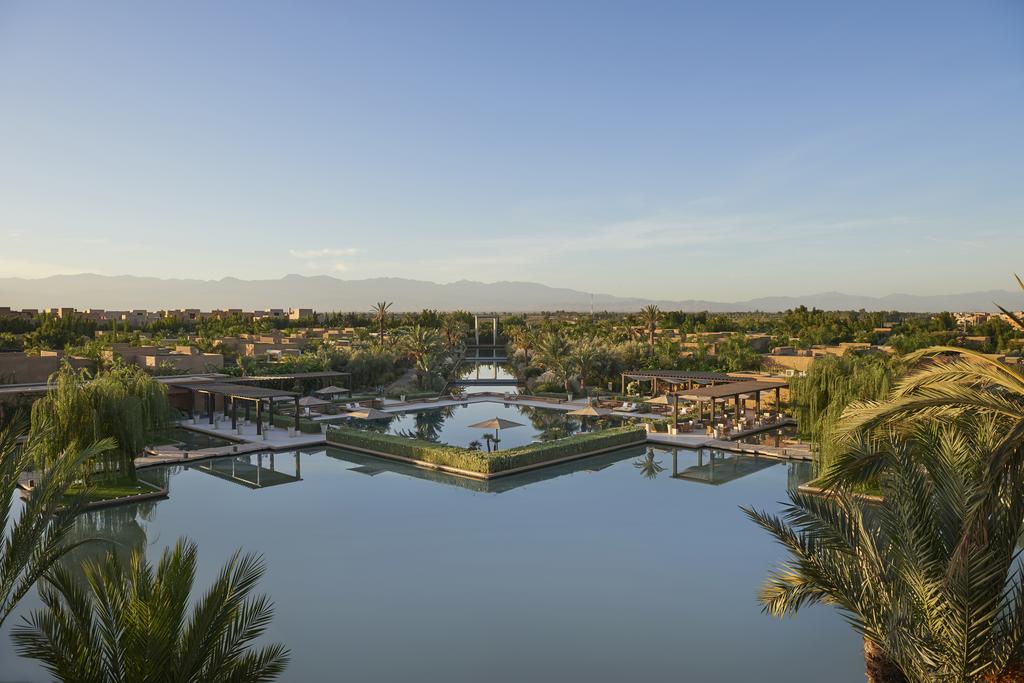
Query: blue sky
point(631, 148)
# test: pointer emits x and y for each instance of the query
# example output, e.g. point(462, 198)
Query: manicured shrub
point(480, 461)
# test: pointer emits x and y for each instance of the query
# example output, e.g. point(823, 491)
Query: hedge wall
point(306, 426)
point(481, 461)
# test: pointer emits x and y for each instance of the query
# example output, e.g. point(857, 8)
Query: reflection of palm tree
point(648, 466)
point(428, 424)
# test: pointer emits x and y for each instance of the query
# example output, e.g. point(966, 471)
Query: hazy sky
point(716, 150)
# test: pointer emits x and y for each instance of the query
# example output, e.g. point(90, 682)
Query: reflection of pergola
point(241, 470)
point(736, 391)
point(677, 378)
point(231, 394)
point(721, 467)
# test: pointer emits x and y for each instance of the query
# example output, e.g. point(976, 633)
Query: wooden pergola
point(676, 378)
point(736, 391)
point(231, 394)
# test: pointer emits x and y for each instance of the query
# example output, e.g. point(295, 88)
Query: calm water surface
point(608, 569)
point(451, 425)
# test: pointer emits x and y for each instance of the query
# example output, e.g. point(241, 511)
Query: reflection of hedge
point(481, 461)
point(306, 426)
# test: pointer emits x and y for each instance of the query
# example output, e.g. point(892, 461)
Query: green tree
point(422, 345)
point(131, 623)
point(123, 404)
point(380, 314)
point(35, 541)
point(926, 613)
point(651, 316)
point(736, 353)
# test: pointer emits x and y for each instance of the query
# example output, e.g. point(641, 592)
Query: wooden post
point(270, 422)
point(297, 417)
point(259, 417)
point(209, 406)
point(737, 408)
point(234, 413)
point(778, 401)
point(712, 412)
point(675, 413)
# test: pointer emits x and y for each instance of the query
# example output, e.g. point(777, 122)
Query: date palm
point(585, 357)
point(422, 345)
point(454, 330)
point(925, 614)
point(380, 314)
point(553, 353)
point(131, 623)
point(651, 316)
point(33, 543)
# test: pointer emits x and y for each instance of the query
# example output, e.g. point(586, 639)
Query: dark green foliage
point(123, 403)
point(829, 386)
point(127, 622)
point(483, 462)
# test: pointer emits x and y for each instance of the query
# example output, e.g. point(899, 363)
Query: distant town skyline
point(719, 151)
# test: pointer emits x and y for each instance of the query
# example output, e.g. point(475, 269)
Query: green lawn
point(109, 490)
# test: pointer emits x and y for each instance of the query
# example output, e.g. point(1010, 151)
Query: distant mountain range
point(325, 293)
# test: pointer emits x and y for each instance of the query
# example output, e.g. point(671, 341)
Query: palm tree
point(127, 623)
point(651, 316)
point(33, 543)
point(422, 345)
point(553, 354)
point(1013, 316)
point(380, 314)
point(925, 613)
point(585, 357)
point(453, 329)
point(951, 386)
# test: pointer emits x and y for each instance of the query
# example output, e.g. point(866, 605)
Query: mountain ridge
point(327, 293)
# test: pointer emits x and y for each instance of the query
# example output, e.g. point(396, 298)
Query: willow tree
point(830, 385)
point(123, 403)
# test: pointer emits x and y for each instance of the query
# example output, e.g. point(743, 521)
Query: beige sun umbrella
point(370, 414)
point(667, 400)
point(495, 423)
point(590, 410)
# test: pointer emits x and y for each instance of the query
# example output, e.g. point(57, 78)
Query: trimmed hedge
point(306, 426)
point(481, 461)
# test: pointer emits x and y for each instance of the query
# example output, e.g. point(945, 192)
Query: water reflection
point(648, 466)
point(451, 424)
point(720, 467)
point(256, 470)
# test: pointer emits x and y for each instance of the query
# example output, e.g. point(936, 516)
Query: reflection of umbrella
point(331, 390)
point(591, 411)
point(370, 414)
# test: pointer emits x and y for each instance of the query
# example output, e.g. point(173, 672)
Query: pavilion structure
point(737, 392)
point(231, 395)
point(674, 380)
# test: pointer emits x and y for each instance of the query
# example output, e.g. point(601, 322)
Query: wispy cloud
point(334, 252)
point(326, 259)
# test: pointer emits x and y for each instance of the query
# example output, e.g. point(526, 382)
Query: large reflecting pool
point(630, 566)
point(451, 425)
